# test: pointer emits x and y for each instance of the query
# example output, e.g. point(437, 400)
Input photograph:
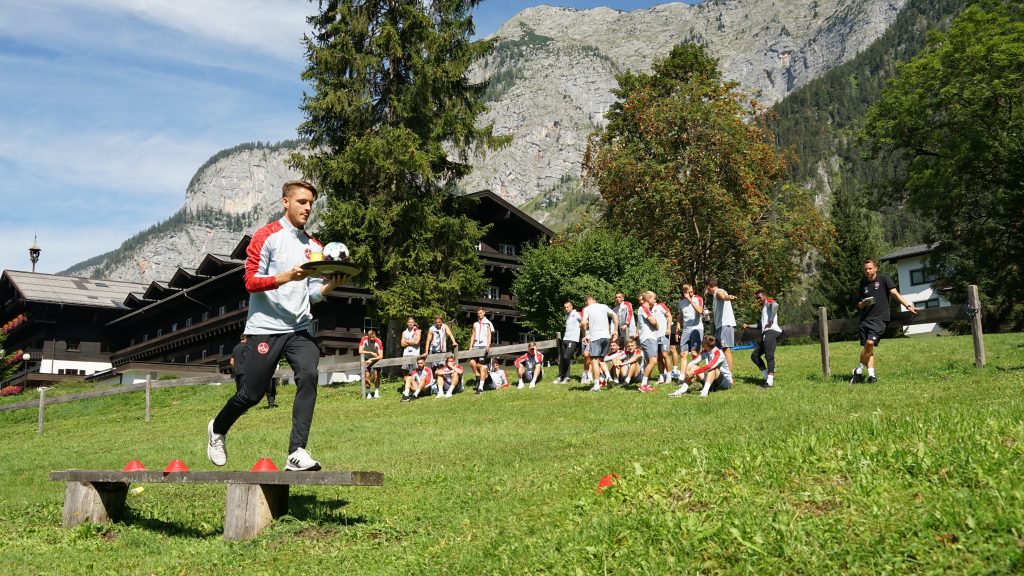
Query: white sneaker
point(448, 394)
point(596, 388)
point(533, 384)
point(215, 449)
point(682, 390)
point(376, 393)
point(302, 461)
point(520, 385)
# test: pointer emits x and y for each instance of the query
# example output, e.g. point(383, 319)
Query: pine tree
point(391, 125)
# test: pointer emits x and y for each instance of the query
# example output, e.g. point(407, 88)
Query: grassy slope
point(920, 473)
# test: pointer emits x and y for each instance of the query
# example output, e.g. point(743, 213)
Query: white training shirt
point(723, 313)
point(598, 326)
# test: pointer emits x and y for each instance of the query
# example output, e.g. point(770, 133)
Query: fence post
point(149, 385)
point(42, 408)
point(974, 310)
point(826, 365)
point(362, 374)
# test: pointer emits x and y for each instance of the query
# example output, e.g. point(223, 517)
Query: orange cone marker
point(607, 482)
point(133, 466)
point(264, 465)
point(175, 465)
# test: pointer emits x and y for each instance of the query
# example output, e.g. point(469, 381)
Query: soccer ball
point(336, 251)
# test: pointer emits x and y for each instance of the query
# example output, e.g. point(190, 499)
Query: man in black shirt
point(873, 302)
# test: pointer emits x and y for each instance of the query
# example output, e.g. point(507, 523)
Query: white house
point(915, 284)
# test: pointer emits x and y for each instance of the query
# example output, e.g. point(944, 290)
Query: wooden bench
point(254, 499)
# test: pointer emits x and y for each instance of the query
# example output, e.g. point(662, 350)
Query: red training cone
point(264, 465)
point(176, 465)
point(133, 466)
point(607, 482)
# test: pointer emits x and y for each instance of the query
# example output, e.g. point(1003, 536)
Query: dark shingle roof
point(909, 251)
point(38, 287)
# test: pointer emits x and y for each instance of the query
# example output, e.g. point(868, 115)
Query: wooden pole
point(42, 409)
point(826, 365)
point(362, 374)
point(149, 387)
point(974, 310)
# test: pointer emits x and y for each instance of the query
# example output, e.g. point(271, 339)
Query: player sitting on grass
point(419, 379)
point(496, 377)
point(530, 366)
point(613, 362)
point(632, 366)
point(714, 374)
point(449, 375)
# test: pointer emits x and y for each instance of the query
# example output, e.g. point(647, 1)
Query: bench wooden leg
point(252, 507)
point(95, 502)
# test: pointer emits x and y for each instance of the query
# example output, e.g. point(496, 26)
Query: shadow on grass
point(132, 517)
point(755, 380)
point(321, 511)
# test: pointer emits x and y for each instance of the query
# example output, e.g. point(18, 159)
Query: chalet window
point(72, 344)
point(145, 337)
point(222, 310)
point(479, 246)
point(205, 316)
point(159, 332)
point(316, 326)
point(507, 249)
point(367, 324)
point(919, 276)
point(131, 342)
point(186, 358)
point(204, 353)
point(188, 322)
point(220, 350)
point(493, 293)
point(241, 304)
point(174, 327)
point(925, 304)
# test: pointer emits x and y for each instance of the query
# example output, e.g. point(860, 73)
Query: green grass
point(921, 473)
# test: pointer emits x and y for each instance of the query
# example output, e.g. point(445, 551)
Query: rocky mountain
point(550, 77)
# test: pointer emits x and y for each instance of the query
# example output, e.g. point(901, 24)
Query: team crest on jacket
point(308, 252)
point(263, 348)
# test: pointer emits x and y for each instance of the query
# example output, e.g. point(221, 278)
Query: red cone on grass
point(133, 466)
point(264, 465)
point(607, 482)
point(176, 465)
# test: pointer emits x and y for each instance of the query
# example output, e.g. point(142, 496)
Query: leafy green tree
point(858, 236)
point(391, 125)
point(686, 166)
point(587, 258)
point(956, 114)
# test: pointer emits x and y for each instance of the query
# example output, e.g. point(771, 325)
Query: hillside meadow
point(920, 473)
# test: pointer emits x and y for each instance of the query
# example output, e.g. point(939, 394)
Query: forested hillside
point(821, 121)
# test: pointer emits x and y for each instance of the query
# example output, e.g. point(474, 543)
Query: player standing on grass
point(768, 340)
point(691, 323)
point(599, 321)
point(647, 326)
point(480, 339)
point(438, 336)
point(570, 342)
point(279, 324)
point(411, 337)
point(372, 350)
point(627, 324)
point(873, 302)
point(725, 320)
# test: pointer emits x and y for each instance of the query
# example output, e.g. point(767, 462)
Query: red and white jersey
point(530, 361)
point(688, 314)
point(620, 355)
point(447, 370)
point(713, 359)
point(276, 248)
point(499, 377)
point(409, 335)
point(438, 338)
point(646, 331)
point(424, 376)
point(483, 331)
point(625, 313)
point(372, 344)
point(662, 313)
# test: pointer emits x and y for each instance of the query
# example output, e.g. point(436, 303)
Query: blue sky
point(108, 107)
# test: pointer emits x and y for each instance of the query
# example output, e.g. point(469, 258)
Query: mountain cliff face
point(550, 78)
